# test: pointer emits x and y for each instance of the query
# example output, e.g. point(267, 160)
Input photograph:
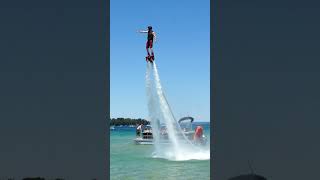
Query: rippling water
point(130, 161)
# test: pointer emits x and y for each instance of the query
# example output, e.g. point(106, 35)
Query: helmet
point(149, 27)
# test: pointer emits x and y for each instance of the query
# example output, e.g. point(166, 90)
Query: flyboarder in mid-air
point(150, 39)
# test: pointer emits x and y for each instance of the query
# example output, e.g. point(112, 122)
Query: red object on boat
point(198, 132)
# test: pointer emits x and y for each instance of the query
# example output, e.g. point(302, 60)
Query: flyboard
point(150, 58)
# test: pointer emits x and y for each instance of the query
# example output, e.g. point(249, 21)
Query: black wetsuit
point(150, 43)
point(150, 35)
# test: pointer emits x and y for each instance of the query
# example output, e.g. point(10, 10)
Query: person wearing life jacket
point(198, 134)
point(150, 39)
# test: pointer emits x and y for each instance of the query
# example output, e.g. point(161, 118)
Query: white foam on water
point(179, 148)
point(182, 155)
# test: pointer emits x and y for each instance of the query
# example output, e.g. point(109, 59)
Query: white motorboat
point(185, 123)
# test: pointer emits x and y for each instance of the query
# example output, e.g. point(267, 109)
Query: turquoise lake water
point(129, 161)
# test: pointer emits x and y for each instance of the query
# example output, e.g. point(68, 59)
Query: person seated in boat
point(163, 132)
point(185, 129)
point(139, 130)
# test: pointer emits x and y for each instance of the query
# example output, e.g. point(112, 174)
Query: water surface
point(129, 161)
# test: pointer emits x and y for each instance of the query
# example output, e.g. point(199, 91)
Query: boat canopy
point(185, 119)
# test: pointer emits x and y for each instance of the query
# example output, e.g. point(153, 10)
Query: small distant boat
point(145, 137)
point(112, 128)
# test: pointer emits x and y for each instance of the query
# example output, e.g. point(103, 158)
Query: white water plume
point(178, 147)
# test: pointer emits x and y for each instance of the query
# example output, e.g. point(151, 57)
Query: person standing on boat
point(138, 130)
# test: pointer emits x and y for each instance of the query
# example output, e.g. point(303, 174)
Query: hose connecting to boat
point(172, 115)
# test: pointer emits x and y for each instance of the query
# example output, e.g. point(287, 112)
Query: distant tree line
point(127, 121)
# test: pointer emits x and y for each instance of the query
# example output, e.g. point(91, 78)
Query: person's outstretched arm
point(143, 31)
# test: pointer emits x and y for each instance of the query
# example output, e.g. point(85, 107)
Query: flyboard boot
point(152, 57)
point(149, 58)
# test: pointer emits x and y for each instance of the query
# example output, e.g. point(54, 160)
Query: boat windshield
point(186, 123)
point(147, 127)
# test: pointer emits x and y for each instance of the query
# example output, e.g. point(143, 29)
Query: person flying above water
point(150, 39)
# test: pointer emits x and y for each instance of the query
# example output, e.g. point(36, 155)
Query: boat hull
point(142, 141)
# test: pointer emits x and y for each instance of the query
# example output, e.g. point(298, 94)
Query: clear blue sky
point(182, 54)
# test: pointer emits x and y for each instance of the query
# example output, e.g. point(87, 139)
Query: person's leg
point(148, 53)
point(151, 47)
point(147, 48)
